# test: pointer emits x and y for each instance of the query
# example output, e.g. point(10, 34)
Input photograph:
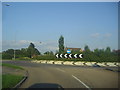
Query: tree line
point(97, 55)
point(29, 52)
point(24, 53)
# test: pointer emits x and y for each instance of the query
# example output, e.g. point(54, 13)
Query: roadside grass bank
point(9, 80)
point(12, 66)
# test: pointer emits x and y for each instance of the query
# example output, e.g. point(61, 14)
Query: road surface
point(68, 76)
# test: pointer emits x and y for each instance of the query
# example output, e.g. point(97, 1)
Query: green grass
point(12, 66)
point(9, 80)
point(0, 81)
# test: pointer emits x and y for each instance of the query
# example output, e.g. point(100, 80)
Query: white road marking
point(60, 69)
point(81, 82)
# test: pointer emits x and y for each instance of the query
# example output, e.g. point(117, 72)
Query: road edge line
point(81, 82)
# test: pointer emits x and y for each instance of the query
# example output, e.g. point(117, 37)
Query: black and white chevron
point(69, 55)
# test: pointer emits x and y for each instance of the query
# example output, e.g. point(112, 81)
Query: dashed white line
point(81, 82)
point(60, 69)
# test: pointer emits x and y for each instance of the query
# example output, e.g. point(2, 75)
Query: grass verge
point(12, 66)
point(9, 80)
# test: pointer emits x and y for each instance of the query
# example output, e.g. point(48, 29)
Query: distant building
point(117, 51)
point(74, 49)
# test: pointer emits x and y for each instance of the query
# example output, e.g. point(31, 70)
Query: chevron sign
point(69, 55)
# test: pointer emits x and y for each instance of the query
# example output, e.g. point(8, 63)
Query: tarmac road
point(68, 76)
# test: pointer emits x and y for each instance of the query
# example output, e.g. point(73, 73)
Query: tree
point(10, 51)
point(32, 50)
point(18, 53)
point(37, 52)
point(96, 52)
point(108, 50)
point(61, 44)
point(24, 52)
point(8, 54)
point(49, 53)
point(31, 45)
point(86, 48)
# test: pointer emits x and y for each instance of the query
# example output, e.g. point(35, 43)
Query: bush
point(23, 58)
point(45, 57)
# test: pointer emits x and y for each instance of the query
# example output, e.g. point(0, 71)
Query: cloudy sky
point(88, 23)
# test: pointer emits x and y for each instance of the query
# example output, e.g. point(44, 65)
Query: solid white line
point(81, 82)
point(60, 69)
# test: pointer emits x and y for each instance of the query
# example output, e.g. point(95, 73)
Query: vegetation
point(49, 53)
point(24, 53)
point(0, 56)
point(97, 55)
point(45, 57)
point(0, 81)
point(32, 51)
point(9, 80)
point(61, 44)
point(100, 55)
point(12, 66)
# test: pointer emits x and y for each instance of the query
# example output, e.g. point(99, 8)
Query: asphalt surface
point(68, 76)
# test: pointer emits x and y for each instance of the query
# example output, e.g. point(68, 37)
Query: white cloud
point(24, 41)
point(41, 46)
point(107, 35)
point(95, 35)
point(48, 46)
point(52, 47)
